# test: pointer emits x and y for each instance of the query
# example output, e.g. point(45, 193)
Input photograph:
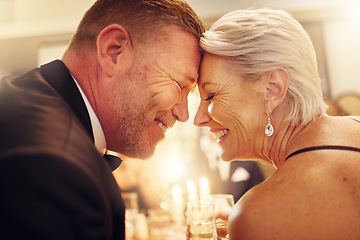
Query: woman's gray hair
point(259, 40)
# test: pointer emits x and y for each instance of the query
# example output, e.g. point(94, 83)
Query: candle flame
point(204, 184)
point(176, 191)
point(191, 187)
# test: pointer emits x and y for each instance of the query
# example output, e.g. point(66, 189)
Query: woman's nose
point(202, 117)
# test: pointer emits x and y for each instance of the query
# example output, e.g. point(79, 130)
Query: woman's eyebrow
point(207, 83)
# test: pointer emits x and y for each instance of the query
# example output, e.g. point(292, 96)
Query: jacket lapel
point(57, 74)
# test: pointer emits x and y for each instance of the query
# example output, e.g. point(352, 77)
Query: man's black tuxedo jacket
point(54, 184)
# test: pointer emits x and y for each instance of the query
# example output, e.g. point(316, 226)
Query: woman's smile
point(219, 134)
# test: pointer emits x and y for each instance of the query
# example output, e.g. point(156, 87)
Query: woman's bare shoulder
point(300, 201)
point(256, 213)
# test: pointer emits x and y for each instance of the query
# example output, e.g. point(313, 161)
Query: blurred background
point(33, 32)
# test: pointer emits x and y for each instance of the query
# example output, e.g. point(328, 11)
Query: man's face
point(154, 94)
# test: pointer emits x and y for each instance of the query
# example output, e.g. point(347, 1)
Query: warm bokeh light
point(355, 13)
point(204, 189)
point(171, 166)
point(176, 192)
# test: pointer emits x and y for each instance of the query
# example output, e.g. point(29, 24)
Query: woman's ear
point(277, 86)
point(114, 47)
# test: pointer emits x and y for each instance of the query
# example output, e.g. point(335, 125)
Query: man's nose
point(181, 110)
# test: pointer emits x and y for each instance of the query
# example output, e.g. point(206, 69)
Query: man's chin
point(142, 149)
point(144, 155)
point(147, 151)
point(143, 152)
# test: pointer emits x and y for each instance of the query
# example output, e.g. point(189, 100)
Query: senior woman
point(261, 98)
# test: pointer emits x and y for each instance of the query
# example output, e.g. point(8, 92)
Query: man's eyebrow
point(193, 82)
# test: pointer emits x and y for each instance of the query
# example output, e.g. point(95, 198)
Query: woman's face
point(233, 109)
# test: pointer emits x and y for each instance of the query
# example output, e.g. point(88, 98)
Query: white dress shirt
point(99, 136)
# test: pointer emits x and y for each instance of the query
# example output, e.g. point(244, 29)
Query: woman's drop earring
point(269, 129)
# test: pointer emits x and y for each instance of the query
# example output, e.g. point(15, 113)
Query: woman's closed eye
point(210, 97)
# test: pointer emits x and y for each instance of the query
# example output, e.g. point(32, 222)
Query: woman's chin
point(226, 156)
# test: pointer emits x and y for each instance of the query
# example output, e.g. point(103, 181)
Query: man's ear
point(277, 86)
point(113, 45)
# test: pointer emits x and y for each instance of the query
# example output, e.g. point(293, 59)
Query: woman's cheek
point(214, 111)
point(218, 111)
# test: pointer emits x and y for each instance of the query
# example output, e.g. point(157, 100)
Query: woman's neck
point(287, 138)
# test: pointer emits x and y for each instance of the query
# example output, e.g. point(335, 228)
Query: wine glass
point(200, 221)
point(223, 206)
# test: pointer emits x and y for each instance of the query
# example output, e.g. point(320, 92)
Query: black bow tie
point(114, 161)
